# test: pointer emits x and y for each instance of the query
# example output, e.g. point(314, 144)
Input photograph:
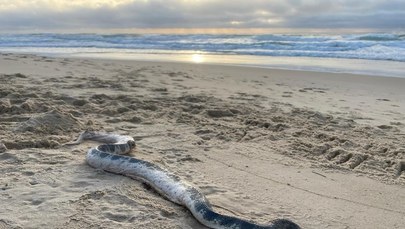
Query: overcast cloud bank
point(127, 14)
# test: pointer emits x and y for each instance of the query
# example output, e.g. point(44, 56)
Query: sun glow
point(197, 58)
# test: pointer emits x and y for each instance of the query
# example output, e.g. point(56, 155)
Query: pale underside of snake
point(107, 157)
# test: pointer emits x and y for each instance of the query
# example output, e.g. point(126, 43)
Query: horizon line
point(237, 31)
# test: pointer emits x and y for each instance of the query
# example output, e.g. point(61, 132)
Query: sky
point(201, 15)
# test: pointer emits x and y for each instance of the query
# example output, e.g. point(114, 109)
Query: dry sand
point(325, 150)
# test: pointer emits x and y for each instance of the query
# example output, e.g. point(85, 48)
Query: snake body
point(107, 157)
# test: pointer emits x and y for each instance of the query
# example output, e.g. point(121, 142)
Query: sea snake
point(106, 157)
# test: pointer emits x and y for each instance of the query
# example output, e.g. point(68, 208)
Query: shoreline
point(299, 63)
point(312, 64)
point(321, 149)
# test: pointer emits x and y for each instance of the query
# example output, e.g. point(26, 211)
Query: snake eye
point(131, 144)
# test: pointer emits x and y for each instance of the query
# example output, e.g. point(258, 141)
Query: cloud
point(126, 14)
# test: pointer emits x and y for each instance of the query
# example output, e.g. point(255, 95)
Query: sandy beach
point(325, 150)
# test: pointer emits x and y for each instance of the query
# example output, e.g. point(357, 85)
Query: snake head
point(284, 224)
point(131, 144)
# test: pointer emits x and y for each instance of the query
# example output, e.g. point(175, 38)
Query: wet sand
point(324, 150)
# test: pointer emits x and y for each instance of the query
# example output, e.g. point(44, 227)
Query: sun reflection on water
point(197, 58)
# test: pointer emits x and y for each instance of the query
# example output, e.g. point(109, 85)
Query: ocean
point(259, 50)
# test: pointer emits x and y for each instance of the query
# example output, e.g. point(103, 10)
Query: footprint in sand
point(3, 148)
point(384, 100)
point(313, 89)
point(400, 169)
point(287, 94)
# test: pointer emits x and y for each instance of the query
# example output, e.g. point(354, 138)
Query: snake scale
point(108, 156)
